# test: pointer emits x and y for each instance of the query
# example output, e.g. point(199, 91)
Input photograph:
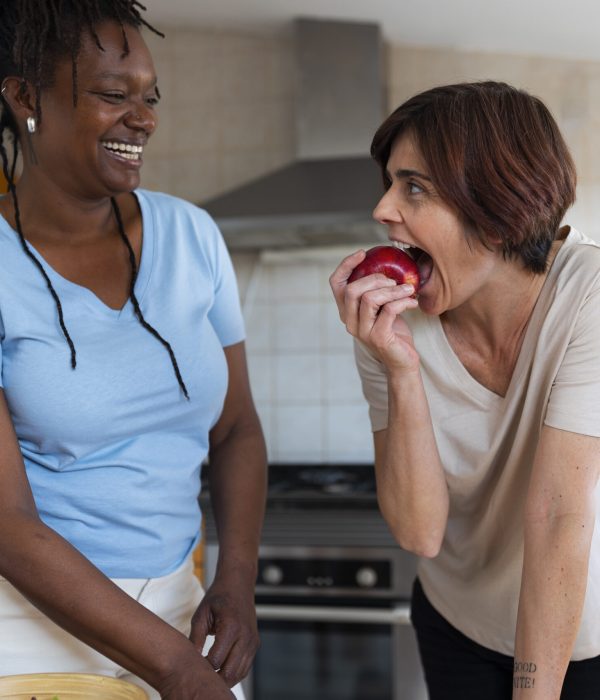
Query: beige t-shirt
point(487, 444)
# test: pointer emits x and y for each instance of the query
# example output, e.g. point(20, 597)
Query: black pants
point(457, 668)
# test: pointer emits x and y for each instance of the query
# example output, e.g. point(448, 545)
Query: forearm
point(238, 482)
point(67, 588)
point(411, 484)
point(553, 588)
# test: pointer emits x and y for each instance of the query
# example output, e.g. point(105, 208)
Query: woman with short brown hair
point(483, 393)
point(496, 155)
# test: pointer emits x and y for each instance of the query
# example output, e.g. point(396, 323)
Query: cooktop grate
point(319, 528)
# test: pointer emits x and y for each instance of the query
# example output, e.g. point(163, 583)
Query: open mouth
point(127, 151)
point(423, 260)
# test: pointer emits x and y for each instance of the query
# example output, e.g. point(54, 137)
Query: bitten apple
point(391, 262)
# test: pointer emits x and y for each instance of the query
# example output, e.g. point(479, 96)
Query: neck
point(499, 314)
point(49, 213)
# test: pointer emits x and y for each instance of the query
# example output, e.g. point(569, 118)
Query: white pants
point(32, 643)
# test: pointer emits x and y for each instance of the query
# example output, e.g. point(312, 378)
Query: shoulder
point(13, 261)
point(183, 234)
point(571, 301)
point(169, 207)
point(579, 255)
point(181, 225)
point(575, 272)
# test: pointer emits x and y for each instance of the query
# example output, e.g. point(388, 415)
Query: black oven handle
point(398, 615)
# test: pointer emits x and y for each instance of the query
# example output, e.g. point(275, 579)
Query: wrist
point(169, 660)
point(188, 668)
point(402, 378)
point(236, 571)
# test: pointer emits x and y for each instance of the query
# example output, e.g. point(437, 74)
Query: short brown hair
point(495, 155)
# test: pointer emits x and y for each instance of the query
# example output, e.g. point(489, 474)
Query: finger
point(233, 669)
point(249, 650)
point(389, 313)
point(371, 303)
point(339, 277)
point(201, 628)
point(341, 273)
point(221, 648)
point(354, 294)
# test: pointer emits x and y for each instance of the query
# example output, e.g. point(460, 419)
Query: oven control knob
point(366, 577)
point(272, 575)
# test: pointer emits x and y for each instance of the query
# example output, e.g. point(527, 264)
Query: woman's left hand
point(227, 612)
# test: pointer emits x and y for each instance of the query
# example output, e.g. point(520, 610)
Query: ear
point(19, 95)
point(494, 240)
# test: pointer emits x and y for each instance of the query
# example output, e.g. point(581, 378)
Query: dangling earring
point(31, 125)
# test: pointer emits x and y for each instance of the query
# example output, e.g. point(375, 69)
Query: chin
point(123, 186)
point(429, 307)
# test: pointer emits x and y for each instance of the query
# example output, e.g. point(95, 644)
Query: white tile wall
point(300, 359)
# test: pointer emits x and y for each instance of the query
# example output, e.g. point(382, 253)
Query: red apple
point(391, 262)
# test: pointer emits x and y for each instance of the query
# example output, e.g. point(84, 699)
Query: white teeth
point(125, 150)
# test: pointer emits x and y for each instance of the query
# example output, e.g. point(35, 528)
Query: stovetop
point(318, 485)
point(317, 505)
point(321, 482)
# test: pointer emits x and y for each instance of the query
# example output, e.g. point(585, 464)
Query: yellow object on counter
point(68, 686)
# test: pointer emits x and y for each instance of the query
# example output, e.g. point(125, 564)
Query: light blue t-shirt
point(113, 450)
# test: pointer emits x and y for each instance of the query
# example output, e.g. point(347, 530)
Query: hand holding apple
point(372, 311)
point(391, 262)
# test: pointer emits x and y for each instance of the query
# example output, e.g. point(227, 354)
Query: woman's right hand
point(194, 679)
point(371, 309)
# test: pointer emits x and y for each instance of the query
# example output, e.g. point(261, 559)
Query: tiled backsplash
point(300, 358)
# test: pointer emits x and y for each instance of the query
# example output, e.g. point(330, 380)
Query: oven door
point(328, 651)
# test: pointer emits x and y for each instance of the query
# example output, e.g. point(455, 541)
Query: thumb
point(201, 628)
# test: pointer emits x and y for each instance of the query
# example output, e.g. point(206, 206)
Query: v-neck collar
point(85, 294)
point(460, 373)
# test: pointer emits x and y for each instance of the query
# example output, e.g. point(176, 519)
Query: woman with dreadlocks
point(122, 368)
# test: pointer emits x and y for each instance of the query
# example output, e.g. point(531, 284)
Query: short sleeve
point(374, 385)
point(226, 313)
point(574, 402)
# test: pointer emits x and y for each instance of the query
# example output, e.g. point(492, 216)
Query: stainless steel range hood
point(327, 195)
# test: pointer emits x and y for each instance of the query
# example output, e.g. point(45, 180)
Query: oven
point(332, 593)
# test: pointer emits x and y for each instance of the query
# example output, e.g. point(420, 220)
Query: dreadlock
point(34, 35)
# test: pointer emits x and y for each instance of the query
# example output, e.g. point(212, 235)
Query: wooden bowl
point(68, 686)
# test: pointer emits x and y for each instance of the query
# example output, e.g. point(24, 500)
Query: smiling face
point(94, 149)
point(453, 265)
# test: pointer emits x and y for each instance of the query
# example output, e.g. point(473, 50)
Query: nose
point(142, 117)
point(386, 212)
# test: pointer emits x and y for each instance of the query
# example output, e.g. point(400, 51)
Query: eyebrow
point(403, 173)
point(108, 75)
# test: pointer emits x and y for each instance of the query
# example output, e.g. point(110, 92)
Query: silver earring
point(31, 125)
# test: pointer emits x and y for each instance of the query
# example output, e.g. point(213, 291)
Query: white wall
point(300, 357)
